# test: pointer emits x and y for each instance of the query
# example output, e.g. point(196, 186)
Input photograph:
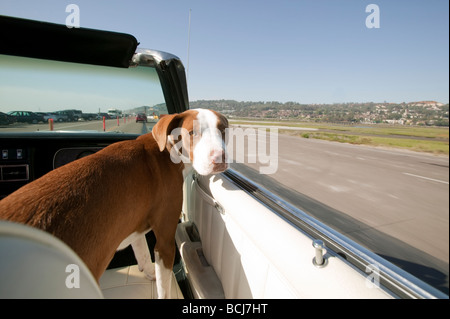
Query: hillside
point(412, 113)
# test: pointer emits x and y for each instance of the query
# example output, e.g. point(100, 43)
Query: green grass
point(429, 146)
point(433, 140)
point(428, 132)
point(378, 129)
point(435, 147)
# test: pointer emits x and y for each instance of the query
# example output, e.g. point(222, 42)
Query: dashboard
point(28, 156)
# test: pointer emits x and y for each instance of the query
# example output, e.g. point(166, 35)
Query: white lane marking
point(427, 178)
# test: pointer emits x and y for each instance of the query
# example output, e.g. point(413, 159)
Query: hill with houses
point(412, 113)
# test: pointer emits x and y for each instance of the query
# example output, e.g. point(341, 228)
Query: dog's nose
point(217, 156)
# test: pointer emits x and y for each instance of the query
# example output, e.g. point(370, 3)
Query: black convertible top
point(44, 40)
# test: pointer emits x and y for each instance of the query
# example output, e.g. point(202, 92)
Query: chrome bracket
point(319, 260)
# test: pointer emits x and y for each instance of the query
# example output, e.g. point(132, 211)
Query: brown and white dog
point(110, 199)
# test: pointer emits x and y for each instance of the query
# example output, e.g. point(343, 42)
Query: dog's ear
point(163, 128)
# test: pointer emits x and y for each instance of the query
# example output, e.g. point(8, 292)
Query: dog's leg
point(142, 254)
point(164, 257)
point(163, 278)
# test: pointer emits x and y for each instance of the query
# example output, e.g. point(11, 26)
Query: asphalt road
point(394, 202)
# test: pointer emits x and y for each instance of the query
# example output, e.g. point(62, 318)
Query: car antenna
point(189, 44)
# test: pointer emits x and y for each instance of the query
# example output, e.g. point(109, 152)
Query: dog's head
point(196, 137)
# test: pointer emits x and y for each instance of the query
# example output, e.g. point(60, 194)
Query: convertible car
point(235, 238)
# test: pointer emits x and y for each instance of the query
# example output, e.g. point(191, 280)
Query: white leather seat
point(35, 264)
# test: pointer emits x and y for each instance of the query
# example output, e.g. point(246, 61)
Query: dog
point(106, 201)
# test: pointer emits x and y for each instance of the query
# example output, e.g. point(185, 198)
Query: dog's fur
point(110, 199)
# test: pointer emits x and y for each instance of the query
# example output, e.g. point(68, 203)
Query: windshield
point(43, 95)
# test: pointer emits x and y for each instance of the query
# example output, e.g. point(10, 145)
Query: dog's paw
point(150, 273)
point(150, 276)
point(148, 269)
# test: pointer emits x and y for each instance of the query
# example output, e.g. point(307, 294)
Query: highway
point(394, 202)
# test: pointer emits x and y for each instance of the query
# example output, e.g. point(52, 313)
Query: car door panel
point(257, 254)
